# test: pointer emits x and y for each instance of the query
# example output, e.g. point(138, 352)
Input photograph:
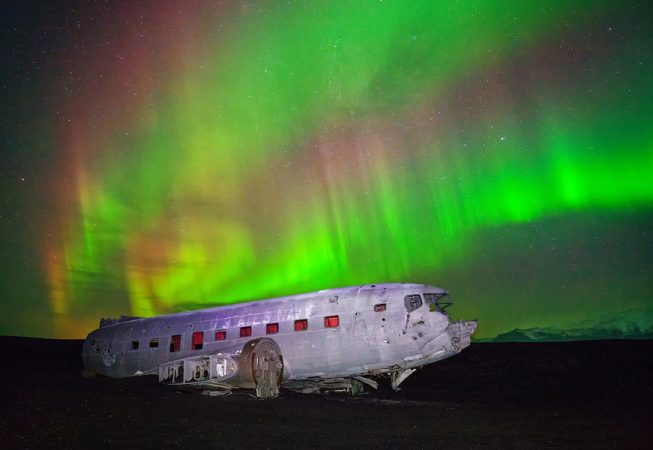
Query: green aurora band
point(290, 148)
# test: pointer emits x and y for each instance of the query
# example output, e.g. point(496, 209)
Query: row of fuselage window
point(197, 340)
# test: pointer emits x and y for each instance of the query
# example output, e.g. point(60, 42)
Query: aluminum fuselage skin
point(365, 341)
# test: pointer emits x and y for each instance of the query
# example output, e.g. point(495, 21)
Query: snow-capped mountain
point(630, 324)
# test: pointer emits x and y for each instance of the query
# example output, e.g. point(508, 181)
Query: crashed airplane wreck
point(336, 339)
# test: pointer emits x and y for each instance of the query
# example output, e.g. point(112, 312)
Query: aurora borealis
point(162, 156)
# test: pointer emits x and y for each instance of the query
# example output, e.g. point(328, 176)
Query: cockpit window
point(412, 302)
point(435, 302)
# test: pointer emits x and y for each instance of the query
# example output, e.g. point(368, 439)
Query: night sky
point(163, 156)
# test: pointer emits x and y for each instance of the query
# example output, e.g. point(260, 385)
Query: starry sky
point(164, 156)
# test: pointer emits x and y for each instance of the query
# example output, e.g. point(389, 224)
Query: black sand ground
point(563, 395)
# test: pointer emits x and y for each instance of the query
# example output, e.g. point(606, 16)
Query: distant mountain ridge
point(630, 324)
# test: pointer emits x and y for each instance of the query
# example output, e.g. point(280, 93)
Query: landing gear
point(265, 370)
point(399, 376)
point(356, 387)
point(267, 367)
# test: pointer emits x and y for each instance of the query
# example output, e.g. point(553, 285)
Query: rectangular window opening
point(221, 335)
point(379, 308)
point(245, 331)
point(301, 325)
point(412, 302)
point(154, 343)
point(134, 345)
point(175, 343)
point(198, 340)
point(272, 328)
point(331, 321)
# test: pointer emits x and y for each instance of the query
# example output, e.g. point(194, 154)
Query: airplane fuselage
point(363, 330)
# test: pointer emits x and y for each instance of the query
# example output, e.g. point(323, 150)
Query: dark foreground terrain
point(564, 395)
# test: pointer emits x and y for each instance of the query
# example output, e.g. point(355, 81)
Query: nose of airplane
point(461, 333)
